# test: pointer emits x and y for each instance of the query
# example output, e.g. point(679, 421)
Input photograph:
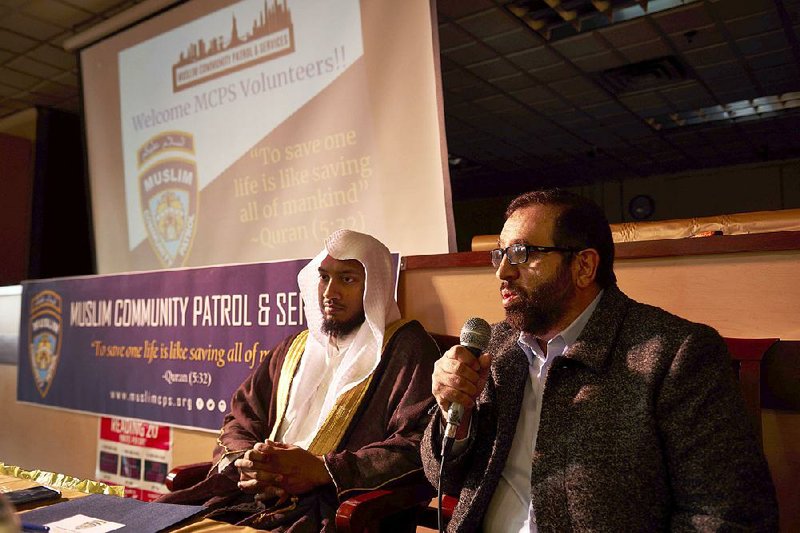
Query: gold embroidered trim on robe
point(332, 430)
point(288, 370)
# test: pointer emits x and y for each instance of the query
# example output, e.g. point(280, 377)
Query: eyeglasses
point(520, 253)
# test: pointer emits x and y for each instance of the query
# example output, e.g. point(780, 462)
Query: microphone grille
point(475, 333)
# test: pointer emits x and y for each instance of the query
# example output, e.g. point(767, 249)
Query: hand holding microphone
point(460, 374)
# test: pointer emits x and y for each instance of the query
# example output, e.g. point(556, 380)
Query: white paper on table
point(83, 524)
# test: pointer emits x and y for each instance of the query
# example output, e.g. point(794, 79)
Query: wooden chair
point(746, 356)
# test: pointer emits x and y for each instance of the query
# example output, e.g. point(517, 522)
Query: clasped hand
point(277, 470)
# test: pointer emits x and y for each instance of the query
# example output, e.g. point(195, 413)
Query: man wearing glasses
point(589, 410)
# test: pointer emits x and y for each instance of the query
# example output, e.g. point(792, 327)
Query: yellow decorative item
point(62, 481)
point(288, 370)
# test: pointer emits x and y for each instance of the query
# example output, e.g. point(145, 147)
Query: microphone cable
point(447, 445)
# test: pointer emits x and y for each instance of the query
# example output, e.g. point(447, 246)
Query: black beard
point(331, 326)
point(539, 311)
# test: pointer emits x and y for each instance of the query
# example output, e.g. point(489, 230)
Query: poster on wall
point(134, 454)
point(250, 130)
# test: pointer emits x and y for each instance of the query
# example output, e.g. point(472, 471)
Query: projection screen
point(225, 132)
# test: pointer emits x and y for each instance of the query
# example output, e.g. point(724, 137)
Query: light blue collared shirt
point(511, 508)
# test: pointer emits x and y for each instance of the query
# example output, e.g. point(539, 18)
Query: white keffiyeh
point(310, 399)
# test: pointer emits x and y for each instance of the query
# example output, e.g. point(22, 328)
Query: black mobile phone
point(33, 494)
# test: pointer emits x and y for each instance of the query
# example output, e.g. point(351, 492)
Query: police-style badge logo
point(44, 347)
point(168, 192)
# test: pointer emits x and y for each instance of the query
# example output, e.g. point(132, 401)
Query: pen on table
point(27, 526)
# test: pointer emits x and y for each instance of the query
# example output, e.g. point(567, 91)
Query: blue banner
point(167, 346)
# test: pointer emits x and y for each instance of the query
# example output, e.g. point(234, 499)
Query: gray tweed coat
point(642, 429)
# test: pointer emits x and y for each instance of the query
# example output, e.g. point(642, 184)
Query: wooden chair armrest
point(363, 513)
point(184, 476)
point(429, 517)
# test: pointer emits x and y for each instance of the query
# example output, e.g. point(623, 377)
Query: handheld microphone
point(475, 337)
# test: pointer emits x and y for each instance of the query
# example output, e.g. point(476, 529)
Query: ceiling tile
point(736, 93)
point(683, 19)
point(569, 117)
point(102, 6)
point(469, 54)
point(720, 71)
point(710, 55)
point(581, 45)
point(534, 58)
point(512, 41)
point(451, 36)
point(30, 26)
point(533, 95)
point(645, 51)
point(456, 79)
point(55, 89)
point(633, 130)
point(642, 101)
point(604, 110)
point(17, 79)
point(599, 62)
point(766, 42)
point(771, 59)
point(779, 74)
point(554, 73)
point(56, 13)
point(7, 90)
point(12, 106)
point(733, 9)
point(629, 33)
point(32, 67)
point(572, 86)
point(697, 38)
point(549, 108)
point(15, 42)
point(588, 98)
point(689, 97)
point(513, 82)
point(488, 23)
point(498, 102)
point(67, 78)
point(53, 56)
point(494, 68)
point(458, 8)
point(463, 112)
point(478, 90)
point(753, 25)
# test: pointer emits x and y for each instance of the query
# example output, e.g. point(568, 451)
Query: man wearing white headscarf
point(336, 409)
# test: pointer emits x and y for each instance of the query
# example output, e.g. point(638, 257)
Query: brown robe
point(380, 446)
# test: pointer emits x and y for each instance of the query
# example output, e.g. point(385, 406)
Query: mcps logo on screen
point(168, 192)
point(271, 35)
point(44, 338)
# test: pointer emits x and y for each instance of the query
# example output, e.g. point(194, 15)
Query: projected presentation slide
point(224, 132)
